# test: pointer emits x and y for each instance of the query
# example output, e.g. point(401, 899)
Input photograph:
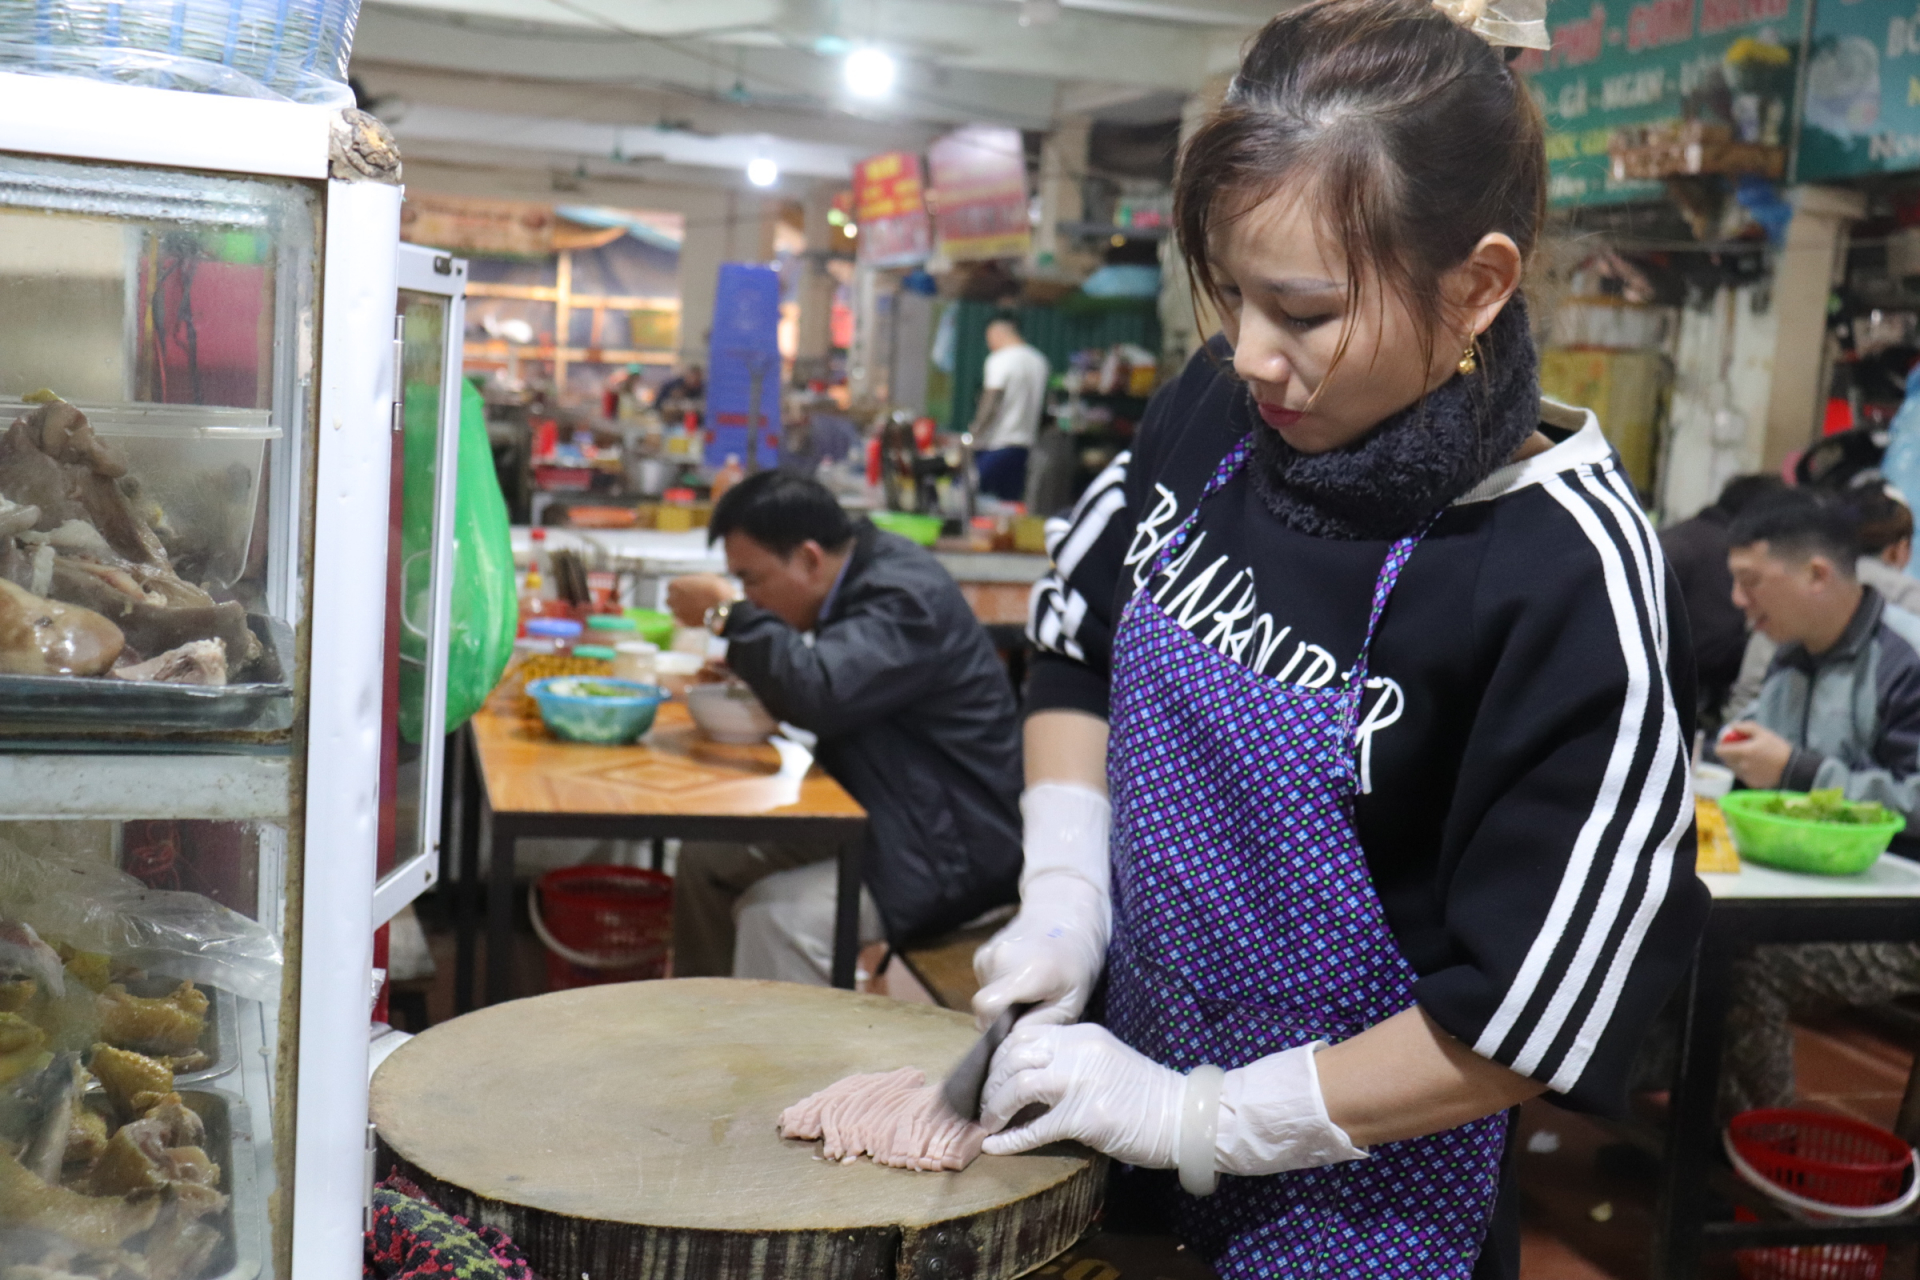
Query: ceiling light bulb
point(851, 230)
point(870, 73)
point(762, 172)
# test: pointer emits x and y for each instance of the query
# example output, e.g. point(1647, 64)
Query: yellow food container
point(1716, 854)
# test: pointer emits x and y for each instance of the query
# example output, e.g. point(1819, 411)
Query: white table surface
point(1891, 877)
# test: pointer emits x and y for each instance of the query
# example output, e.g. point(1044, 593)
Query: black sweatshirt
point(915, 718)
point(1526, 814)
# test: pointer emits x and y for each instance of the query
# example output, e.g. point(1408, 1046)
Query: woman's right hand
point(1049, 955)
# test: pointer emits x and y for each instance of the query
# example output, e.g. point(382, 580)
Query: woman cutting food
point(1384, 673)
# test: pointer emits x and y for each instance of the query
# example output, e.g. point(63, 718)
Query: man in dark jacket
point(860, 638)
point(1697, 550)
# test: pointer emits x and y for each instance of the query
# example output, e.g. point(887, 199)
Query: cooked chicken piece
point(29, 1201)
point(91, 969)
point(86, 1140)
point(892, 1117)
point(23, 1047)
point(169, 1024)
point(199, 662)
point(133, 1081)
point(16, 993)
point(64, 434)
point(39, 637)
point(24, 954)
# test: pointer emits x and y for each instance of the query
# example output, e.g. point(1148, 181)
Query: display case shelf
point(142, 786)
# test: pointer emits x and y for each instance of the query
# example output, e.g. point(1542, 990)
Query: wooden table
point(1761, 906)
point(517, 781)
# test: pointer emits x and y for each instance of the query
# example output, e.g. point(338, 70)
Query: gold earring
point(1468, 361)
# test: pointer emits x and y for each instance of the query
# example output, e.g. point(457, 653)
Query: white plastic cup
point(637, 660)
point(1712, 781)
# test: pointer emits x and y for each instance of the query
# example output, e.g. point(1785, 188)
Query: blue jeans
point(1003, 473)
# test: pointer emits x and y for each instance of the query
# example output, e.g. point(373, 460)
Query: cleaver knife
point(968, 1079)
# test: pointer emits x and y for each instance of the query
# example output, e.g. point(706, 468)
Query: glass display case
point(197, 376)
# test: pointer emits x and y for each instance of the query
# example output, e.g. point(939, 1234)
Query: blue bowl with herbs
point(596, 709)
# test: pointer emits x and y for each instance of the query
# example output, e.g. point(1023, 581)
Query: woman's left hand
point(1097, 1091)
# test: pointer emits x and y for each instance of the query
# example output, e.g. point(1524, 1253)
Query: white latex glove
point(1273, 1117)
point(1104, 1094)
point(1051, 953)
point(1097, 1091)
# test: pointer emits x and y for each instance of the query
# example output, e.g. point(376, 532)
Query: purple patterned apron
point(1246, 922)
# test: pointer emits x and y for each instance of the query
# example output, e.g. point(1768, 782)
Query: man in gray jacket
point(860, 638)
point(1840, 708)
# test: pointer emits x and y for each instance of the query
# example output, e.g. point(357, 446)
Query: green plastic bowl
point(653, 626)
point(1795, 844)
point(596, 709)
point(924, 530)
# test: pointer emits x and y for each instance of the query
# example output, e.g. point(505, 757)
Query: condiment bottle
point(727, 476)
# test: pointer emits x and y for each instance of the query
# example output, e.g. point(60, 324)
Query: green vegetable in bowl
point(592, 689)
point(1830, 805)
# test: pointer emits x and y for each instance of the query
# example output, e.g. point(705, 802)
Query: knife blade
point(968, 1079)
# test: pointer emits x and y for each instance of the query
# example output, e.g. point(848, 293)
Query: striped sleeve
point(1574, 906)
point(1070, 613)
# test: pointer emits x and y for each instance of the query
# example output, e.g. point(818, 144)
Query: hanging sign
point(1861, 112)
point(890, 209)
point(980, 194)
point(487, 228)
point(1637, 90)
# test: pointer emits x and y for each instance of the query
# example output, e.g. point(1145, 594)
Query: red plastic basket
point(603, 924)
point(1819, 1167)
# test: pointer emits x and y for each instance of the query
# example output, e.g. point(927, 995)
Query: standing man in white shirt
point(1007, 418)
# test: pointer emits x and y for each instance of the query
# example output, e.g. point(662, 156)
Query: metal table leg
point(846, 914)
point(1692, 1124)
point(466, 898)
point(501, 838)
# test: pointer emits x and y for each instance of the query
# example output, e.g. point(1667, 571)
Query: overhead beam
point(611, 40)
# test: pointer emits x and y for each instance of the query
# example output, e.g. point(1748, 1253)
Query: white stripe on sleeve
point(1581, 858)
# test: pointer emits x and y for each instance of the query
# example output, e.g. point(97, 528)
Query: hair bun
point(1506, 24)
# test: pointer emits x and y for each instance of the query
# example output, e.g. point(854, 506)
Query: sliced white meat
point(892, 1117)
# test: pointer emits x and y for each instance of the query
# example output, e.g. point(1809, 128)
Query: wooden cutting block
point(627, 1132)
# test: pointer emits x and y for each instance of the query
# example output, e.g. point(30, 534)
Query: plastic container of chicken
point(192, 471)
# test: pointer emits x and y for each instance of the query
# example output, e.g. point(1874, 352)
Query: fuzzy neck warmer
point(1391, 480)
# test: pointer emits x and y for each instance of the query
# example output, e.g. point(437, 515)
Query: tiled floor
point(1588, 1215)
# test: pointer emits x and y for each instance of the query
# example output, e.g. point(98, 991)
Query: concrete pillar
point(728, 226)
point(1063, 163)
point(1804, 276)
point(815, 338)
point(1182, 330)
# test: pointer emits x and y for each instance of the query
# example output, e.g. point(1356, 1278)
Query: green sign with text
point(1862, 107)
point(1619, 66)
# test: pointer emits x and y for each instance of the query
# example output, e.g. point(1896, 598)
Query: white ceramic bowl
point(674, 672)
point(729, 713)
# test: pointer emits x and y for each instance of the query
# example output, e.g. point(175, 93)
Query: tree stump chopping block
point(629, 1132)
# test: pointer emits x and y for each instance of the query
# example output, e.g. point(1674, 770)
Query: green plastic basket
point(1795, 844)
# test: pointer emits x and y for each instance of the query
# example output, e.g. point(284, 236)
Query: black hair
point(1797, 524)
point(1415, 134)
point(1879, 519)
point(1741, 492)
point(780, 510)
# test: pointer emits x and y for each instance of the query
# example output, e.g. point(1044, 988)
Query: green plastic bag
point(486, 610)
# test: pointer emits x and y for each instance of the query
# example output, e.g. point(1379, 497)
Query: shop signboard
point(980, 194)
point(890, 208)
point(1623, 74)
point(1861, 112)
point(744, 353)
point(489, 228)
